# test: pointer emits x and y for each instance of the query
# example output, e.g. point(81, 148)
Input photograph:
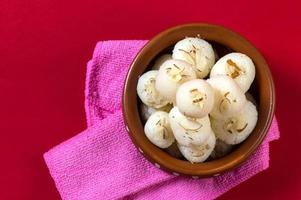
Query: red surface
point(44, 47)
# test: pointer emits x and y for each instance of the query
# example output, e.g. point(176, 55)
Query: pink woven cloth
point(102, 163)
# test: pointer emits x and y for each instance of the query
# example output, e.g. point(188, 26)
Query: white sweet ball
point(189, 131)
point(195, 98)
point(147, 92)
point(229, 99)
point(157, 129)
point(197, 154)
point(221, 149)
point(171, 75)
point(198, 52)
point(237, 66)
point(234, 130)
point(160, 60)
point(147, 111)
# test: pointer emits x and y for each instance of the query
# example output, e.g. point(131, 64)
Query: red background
point(44, 48)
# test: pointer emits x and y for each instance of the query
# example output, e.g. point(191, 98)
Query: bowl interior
point(221, 51)
point(223, 41)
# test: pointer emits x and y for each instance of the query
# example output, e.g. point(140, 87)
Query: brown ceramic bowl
point(224, 41)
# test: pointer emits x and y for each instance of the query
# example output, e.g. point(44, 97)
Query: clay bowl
point(224, 41)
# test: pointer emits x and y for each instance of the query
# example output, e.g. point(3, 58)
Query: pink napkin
point(102, 163)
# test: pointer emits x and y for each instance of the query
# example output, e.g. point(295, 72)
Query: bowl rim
point(198, 171)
